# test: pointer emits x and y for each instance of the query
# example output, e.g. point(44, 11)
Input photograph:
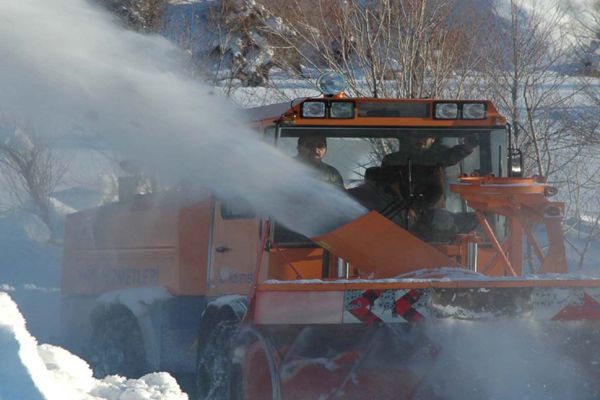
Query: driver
point(420, 163)
point(311, 151)
point(424, 150)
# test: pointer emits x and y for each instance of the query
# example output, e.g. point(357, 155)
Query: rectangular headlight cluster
point(460, 111)
point(313, 109)
point(318, 109)
point(342, 109)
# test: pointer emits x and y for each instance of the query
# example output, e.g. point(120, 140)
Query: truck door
point(234, 247)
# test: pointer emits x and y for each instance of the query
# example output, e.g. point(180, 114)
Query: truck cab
point(360, 133)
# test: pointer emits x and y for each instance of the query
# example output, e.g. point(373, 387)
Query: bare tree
point(582, 195)
point(547, 109)
point(227, 40)
point(384, 48)
point(523, 70)
point(585, 28)
point(29, 167)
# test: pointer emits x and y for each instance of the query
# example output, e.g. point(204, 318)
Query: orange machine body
point(214, 262)
point(192, 248)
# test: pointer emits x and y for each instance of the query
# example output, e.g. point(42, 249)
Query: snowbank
point(45, 372)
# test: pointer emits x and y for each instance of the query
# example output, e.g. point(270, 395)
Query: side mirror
point(515, 162)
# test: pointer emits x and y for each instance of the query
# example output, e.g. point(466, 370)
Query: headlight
point(446, 111)
point(473, 111)
point(342, 109)
point(313, 109)
point(331, 83)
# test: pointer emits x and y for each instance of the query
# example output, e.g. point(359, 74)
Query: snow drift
point(30, 371)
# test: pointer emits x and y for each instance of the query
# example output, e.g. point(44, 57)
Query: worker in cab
point(311, 151)
point(380, 191)
point(427, 151)
point(420, 163)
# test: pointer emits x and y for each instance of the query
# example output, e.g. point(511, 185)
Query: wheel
point(255, 368)
point(213, 362)
point(117, 346)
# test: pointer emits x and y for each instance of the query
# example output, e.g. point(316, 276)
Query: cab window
point(351, 156)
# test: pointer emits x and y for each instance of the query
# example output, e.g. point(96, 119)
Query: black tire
point(213, 364)
point(117, 346)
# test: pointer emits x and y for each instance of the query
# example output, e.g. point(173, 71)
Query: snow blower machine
point(426, 296)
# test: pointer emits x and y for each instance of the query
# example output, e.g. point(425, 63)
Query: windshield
point(379, 166)
point(351, 156)
point(352, 150)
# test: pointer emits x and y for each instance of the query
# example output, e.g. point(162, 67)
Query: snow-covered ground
point(32, 371)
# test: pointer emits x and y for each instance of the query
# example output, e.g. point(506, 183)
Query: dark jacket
point(328, 173)
point(424, 182)
point(436, 155)
point(324, 172)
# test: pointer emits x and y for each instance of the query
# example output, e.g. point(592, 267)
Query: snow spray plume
point(67, 68)
point(508, 359)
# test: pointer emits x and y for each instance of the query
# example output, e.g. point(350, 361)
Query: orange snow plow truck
point(383, 307)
